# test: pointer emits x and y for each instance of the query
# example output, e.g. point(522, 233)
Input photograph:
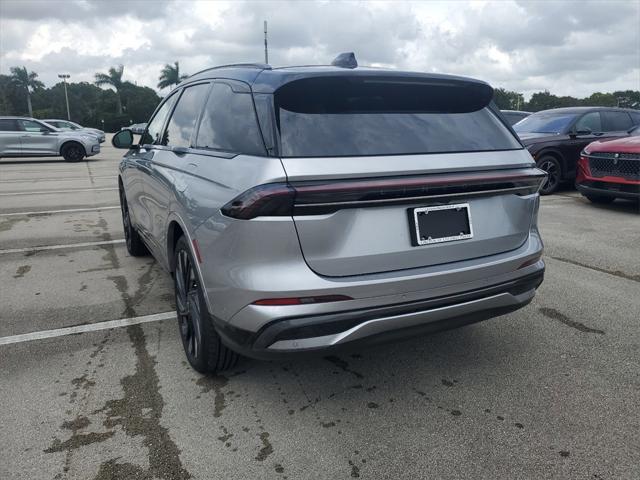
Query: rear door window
point(8, 125)
point(589, 121)
point(229, 123)
point(616, 121)
point(183, 120)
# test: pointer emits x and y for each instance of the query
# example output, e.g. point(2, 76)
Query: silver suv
point(28, 137)
point(73, 126)
point(308, 208)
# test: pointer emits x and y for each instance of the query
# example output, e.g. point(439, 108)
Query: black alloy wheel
point(552, 166)
point(188, 307)
point(202, 345)
point(73, 152)
point(135, 245)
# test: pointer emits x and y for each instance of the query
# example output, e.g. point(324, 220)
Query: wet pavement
point(550, 391)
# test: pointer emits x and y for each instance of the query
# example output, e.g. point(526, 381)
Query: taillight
point(327, 196)
point(301, 300)
point(271, 199)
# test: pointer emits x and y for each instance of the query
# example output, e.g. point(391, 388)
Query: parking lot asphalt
point(550, 391)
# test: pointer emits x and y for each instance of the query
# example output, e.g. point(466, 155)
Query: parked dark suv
point(556, 137)
point(514, 116)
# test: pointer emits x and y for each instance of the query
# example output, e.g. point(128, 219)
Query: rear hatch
point(369, 159)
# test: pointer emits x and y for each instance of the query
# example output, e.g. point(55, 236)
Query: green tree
point(508, 100)
point(112, 79)
point(170, 75)
point(600, 100)
point(27, 82)
point(10, 97)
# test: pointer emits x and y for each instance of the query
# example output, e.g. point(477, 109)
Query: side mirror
point(122, 139)
point(584, 131)
point(44, 130)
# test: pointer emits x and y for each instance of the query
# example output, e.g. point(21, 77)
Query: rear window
point(8, 125)
point(616, 121)
point(354, 117)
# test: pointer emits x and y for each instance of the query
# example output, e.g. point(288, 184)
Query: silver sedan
point(68, 125)
point(28, 137)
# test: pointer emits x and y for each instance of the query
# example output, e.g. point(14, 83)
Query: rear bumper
point(320, 333)
point(609, 189)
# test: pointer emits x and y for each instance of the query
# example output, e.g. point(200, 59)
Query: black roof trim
point(585, 109)
point(245, 72)
point(263, 78)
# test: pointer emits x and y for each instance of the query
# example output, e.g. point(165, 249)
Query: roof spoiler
point(364, 91)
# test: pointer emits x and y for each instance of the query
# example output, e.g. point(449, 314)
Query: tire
point(600, 199)
point(73, 152)
point(135, 245)
point(202, 345)
point(552, 166)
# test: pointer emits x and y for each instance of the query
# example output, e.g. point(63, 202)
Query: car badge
point(615, 158)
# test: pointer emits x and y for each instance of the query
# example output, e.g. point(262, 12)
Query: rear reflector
point(530, 262)
point(301, 300)
point(321, 197)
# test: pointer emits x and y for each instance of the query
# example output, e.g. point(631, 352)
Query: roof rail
point(261, 66)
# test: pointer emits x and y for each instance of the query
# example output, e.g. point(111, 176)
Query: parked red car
point(610, 169)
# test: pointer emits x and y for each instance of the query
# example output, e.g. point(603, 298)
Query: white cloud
point(570, 48)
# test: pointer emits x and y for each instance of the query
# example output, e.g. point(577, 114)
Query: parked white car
point(69, 125)
point(28, 137)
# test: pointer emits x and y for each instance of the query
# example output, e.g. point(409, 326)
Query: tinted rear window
point(8, 125)
point(229, 123)
point(380, 117)
point(616, 121)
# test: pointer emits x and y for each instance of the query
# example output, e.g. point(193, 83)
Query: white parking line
point(52, 179)
point(92, 327)
point(43, 192)
point(60, 247)
point(48, 212)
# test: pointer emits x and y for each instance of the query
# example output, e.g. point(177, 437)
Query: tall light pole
point(266, 52)
point(66, 97)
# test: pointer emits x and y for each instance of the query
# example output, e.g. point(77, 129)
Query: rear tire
point(600, 199)
point(552, 166)
point(202, 345)
point(135, 245)
point(73, 152)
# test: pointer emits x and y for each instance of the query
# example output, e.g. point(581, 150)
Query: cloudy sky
point(567, 47)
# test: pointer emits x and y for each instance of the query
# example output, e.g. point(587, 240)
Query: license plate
point(439, 224)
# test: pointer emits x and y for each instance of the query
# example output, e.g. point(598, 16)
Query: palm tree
point(112, 79)
point(26, 80)
point(170, 75)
